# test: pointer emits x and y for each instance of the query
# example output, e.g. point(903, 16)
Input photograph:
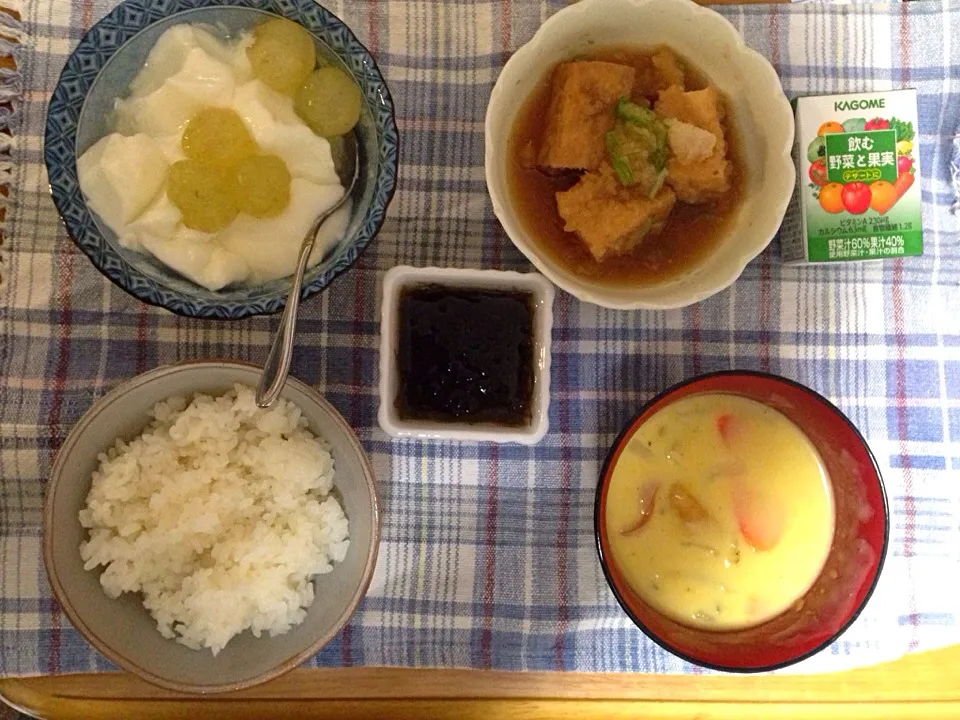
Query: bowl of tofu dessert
point(189, 151)
point(638, 153)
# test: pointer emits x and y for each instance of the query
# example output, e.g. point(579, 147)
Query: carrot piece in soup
point(760, 521)
point(724, 422)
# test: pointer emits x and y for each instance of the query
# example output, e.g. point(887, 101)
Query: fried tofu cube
point(688, 143)
point(703, 179)
point(668, 68)
point(657, 72)
point(584, 94)
point(611, 219)
point(699, 182)
point(702, 108)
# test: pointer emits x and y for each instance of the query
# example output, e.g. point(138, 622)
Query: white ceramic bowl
point(396, 280)
point(759, 108)
point(122, 629)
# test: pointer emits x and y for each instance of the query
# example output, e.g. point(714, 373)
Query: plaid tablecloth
point(488, 556)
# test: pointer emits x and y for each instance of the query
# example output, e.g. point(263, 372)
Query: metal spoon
point(277, 367)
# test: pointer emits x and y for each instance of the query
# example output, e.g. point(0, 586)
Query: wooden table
point(924, 686)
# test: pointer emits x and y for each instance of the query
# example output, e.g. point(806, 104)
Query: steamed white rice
point(219, 513)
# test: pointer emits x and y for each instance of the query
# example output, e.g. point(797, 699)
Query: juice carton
point(859, 194)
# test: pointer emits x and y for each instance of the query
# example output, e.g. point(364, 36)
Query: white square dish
point(542, 292)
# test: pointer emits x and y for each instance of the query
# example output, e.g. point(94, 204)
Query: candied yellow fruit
point(263, 186)
point(217, 136)
point(329, 102)
point(204, 193)
point(282, 54)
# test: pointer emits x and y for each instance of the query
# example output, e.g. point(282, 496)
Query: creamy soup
point(719, 512)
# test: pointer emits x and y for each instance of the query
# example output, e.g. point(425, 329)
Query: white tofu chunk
point(261, 106)
point(165, 59)
point(202, 81)
point(277, 129)
point(158, 222)
point(233, 53)
point(205, 79)
point(270, 246)
point(224, 268)
point(199, 257)
point(688, 142)
point(120, 175)
point(171, 147)
point(307, 155)
point(163, 112)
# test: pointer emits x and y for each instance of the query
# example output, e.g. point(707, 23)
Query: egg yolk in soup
point(719, 512)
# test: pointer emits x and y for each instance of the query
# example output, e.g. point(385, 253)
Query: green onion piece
point(657, 184)
point(620, 165)
point(631, 112)
point(658, 157)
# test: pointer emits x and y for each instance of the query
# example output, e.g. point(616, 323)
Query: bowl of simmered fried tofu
point(639, 153)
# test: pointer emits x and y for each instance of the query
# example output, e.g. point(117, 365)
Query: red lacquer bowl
point(852, 567)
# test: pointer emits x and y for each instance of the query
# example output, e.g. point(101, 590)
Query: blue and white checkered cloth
point(488, 555)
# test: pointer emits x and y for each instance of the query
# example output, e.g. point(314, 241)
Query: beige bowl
point(758, 106)
point(122, 629)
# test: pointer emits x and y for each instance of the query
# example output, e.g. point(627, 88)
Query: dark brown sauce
point(465, 355)
point(690, 234)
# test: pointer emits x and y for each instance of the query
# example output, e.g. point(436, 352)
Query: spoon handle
point(277, 367)
point(281, 351)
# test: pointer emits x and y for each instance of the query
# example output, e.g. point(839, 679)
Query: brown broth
point(691, 232)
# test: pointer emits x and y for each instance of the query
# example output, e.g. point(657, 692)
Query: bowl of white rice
point(204, 543)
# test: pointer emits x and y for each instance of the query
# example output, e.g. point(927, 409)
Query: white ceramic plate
point(759, 108)
point(404, 276)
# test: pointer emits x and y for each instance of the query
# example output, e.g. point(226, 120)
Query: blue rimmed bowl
point(100, 71)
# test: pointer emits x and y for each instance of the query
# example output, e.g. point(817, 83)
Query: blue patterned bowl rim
point(115, 30)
